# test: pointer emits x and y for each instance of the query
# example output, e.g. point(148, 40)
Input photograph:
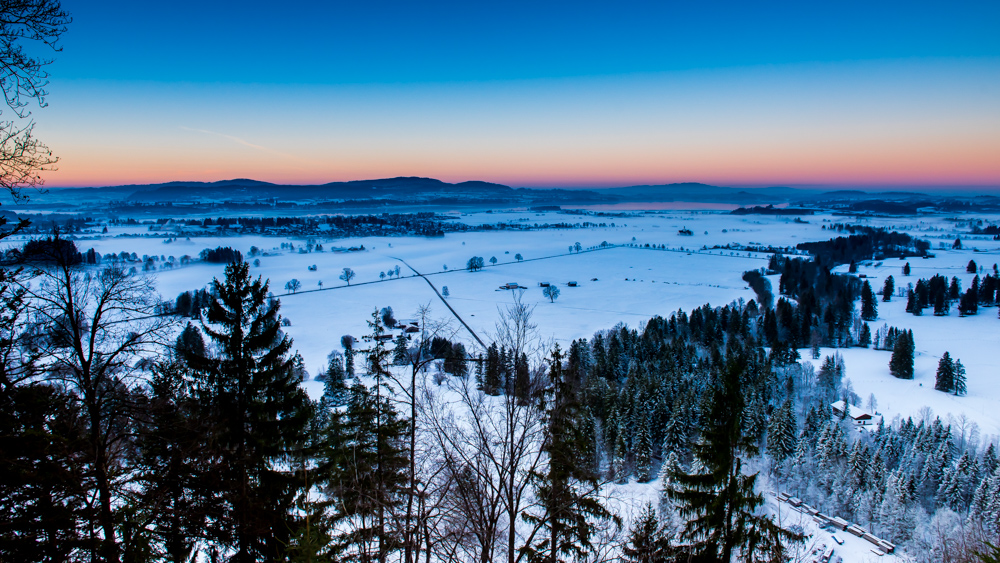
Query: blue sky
point(140, 77)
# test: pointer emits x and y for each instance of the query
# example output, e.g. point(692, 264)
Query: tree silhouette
point(552, 292)
point(347, 275)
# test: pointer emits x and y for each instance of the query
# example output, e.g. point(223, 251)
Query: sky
point(541, 94)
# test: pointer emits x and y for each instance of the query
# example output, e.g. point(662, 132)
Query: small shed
point(572, 284)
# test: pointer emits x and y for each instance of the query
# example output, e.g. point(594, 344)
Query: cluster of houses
point(882, 546)
point(406, 327)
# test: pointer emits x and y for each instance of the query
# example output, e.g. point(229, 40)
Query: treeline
point(221, 255)
point(869, 244)
point(939, 293)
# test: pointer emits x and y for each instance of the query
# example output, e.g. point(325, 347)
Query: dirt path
point(445, 301)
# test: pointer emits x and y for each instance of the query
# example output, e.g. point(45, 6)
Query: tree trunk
point(109, 546)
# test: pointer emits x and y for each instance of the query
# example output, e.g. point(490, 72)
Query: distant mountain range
point(428, 191)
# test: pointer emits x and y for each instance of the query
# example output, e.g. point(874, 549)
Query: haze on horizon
point(900, 95)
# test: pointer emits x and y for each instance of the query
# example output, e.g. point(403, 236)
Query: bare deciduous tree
point(93, 330)
point(490, 450)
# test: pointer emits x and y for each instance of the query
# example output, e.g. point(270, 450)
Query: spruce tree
point(646, 542)
point(888, 288)
point(901, 362)
point(781, 432)
point(335, 389)
point(566, 490)
point(718, 500)
point(364, 465)
point(400, 353)
point(172, 455)
point(960, 383)
point(869, 307)
point(906, 269)
point(249, 394)
point(643, 448)
point(945, 378)
point(865, 338)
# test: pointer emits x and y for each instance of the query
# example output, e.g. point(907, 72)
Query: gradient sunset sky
point(570, 94)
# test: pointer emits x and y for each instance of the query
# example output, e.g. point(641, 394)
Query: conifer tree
point(646, 543)
point(960, 384)
point(347, 341)
point(865, 339)
point(906, 269)
point(869, 306)
point(400, 354)
point(719, 501)
point(172, 454)
point(888, 288)
point(335, 390)
point(945, 378)
point(566, 489)
point(365, 463)
point(901, 363)
point(643, 451)
point(781, 432)
point(250, 395)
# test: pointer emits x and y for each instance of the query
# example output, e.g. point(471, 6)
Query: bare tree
point(515, 330)
point(417, 507)
point(347, 275)
point(490, 450)
point(23, 78)
point(92, 330)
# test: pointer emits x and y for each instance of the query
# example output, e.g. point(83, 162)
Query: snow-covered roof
point(856, 413)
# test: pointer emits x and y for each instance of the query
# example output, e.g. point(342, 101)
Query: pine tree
point(566, 489)
point(643, 448)
point(781, 431)
point(365, 463)
point(906, 269)
point(888, 288)
point(719, 501)
point(334, 383)
point(250, 395)
point(400, 353)
point(960, 385)
point(869, 306)
point(646, 543)
point(865, 339)
point(901, 363)
point(945, 379)
point(172, 454)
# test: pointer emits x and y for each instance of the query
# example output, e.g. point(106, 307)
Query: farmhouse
point(858, 415)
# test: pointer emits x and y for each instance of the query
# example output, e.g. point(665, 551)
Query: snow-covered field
point(618, 284)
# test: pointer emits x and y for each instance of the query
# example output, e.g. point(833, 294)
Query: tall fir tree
point(781, 432)
point(869, 306)
point(945, 377)
point(172, 457)
point(365, 463)
point(719, 501)
point(901, 362)
point(646, 543)
point(566, 489)
point(960, 379)
point(249, 393)
point(643, 448)
point(888, 288)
